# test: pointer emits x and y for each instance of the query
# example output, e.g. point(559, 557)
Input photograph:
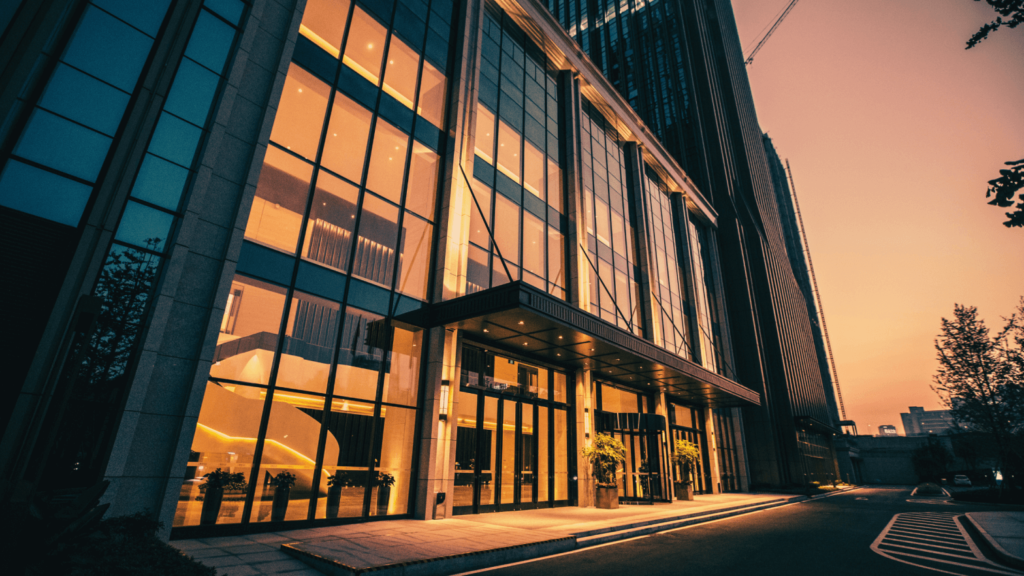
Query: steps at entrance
point(611, 534)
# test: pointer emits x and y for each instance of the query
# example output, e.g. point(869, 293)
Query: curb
point(993, 545)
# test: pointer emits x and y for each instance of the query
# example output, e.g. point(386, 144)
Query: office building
point(280, 263)
point(921, 422)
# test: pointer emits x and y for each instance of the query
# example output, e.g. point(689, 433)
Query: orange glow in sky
point(893, 131)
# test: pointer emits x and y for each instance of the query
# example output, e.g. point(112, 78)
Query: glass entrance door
point(503, 435)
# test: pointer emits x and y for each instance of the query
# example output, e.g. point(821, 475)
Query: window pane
point(300, 115)
point(108, 49)
point(533, 170)
point(509, 143)
point(378, 235)
point(309, 343)
point(554, 185)
point(225, 441)
point(323, 23)
point(387, 161)
point(414, 262)
point(533, 244)
point(400, 74)
point(192, 92)
point(65, 146)
point(390, 487)
point(401, 380)
point(160, 182)
point(484, 134)
point(477, 272)
point(506, 229)
point(556, 257)
point(42, 193)
point(346, 457)
point(365, 47)
point(331, 222)
point(362, 339)
point(248, 331)
point(561, 456)
point(433, 85)
point(84, 99)
point(144, 226)
point(477, 231)
point(347, 133)
point(210, 42)
point(604, 229)
point(276, 215)
point(284, 483)
point(421, 190)
point(619, 231)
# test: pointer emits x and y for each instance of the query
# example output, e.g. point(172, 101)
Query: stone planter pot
point(333, 501)
point(684, 491)
point(383, 499)
point(607, 497)
point(211, 506)
point(280, 505)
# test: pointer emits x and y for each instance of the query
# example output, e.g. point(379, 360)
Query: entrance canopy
point(519, 317)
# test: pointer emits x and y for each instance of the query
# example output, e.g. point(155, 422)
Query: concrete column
point(585, 400)
point(716, 472)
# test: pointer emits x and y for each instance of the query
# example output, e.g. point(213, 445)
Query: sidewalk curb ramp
point(994, 547)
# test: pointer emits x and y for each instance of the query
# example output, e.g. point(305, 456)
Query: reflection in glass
point(347, 134)
point(276, 215)
point(489, 451)
point(465, 448)
point(285, 482)
point(484, 133)
point(543, 467)
point(389, 487)
point(224, 443)
point(477, 231)
point(554, 185)
point(300, 114)
point(323, 23)
point(400, 74)
point(561, 456)
point(433, 85)
point(331, 222)
point(363, 339)
point(248, 331)
point(477, 272)
point(308, 343)
point(422, 188)
point(509, 144)
point(560, 385)
point(387, 161)
point(527, 450)
point(346, 458)
point(414, 260)
point(556, 258)
point(378, 236)
point(508, 452)
point(401, 379)
point(533, 170)
point(365, 46)
point(533, 243)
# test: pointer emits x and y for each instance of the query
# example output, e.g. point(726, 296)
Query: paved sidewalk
point(1004, 532)
point(454, 545)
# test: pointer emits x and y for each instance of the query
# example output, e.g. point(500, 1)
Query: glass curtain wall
point(704, 290)
point(310, 409)
point(614, 291)
point(671, 325)
point(688, 424)
point(628, 416)
point(517, 175)
point(728, 455)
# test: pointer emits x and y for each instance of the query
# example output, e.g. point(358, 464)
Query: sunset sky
point(893, 130)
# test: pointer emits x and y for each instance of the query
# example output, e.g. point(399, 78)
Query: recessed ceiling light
point(486, 330)
point(520, 322)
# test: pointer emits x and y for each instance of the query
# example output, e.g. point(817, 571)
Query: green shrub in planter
point(686, 455)
point(282, 483)
point(213, 488)
point(605, 454)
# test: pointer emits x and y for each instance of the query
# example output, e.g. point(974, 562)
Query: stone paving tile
point(223, 561)
point(287, 565)
point(205, 553)
point(268, 556)
point(226, 541)
point(269, 538)
point(240, 570)
point(249, 548)
point(188, 544)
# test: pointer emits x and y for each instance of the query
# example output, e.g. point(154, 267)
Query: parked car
point(961, 480)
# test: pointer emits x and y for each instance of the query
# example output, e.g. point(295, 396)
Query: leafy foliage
point(981, 379)
point(284, 480)
point(605, 455)
point(1003, 189)
point(686, 454)
point(931, 462)
point(224, 480)
point(1012, 10)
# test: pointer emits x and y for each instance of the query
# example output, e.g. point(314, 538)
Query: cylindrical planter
point(333, 501)
point(607, 497)
point(684, 491)
point(280, 505)
point(211, 506)
point(383, 498)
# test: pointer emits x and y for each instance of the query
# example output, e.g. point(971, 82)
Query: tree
point(931, 462)
point(1006, 186)
point(981, 379)
point(1013, 10)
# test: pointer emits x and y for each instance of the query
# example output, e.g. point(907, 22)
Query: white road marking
point(937, 538)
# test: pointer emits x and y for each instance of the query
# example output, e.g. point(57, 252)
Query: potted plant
point(383, 482)
point(282, 483)
point(686, 455)
point(335, 484)
point(605, 454)
point(213, 493)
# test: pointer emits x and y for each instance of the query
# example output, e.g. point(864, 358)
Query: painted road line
point(934, 541)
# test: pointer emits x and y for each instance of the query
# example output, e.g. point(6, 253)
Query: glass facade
point(313, 392)
point(517, 189)
point(671, 327)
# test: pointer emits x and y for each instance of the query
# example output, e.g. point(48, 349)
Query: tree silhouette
point(1006, 186)
point(1013, 10)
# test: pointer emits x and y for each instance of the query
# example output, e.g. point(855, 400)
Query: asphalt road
point(832, 536)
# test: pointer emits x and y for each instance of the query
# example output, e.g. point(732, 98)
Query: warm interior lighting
point(316, 39)
point(358, 69)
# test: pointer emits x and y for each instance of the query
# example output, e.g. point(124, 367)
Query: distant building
point(921, 422)
point(887, 430)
